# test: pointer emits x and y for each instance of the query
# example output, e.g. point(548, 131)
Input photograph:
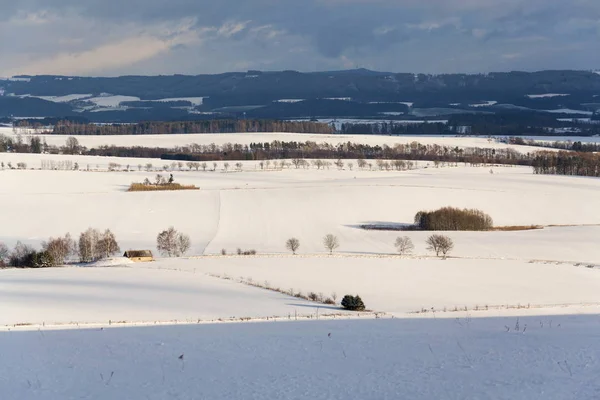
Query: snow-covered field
point(446, 352)
point(555, 358)
point(134, 295)
point(260, 209)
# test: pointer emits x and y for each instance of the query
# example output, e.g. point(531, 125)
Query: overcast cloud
point(116, 37)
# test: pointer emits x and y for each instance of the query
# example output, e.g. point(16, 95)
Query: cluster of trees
point(187, 127)
point(453, 219)
point(353, 303)
point(93, 245)
point(567, 163)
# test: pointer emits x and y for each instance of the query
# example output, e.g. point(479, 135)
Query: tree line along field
point(562, 162)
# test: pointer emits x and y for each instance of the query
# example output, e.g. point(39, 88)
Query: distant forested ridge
point(531, 101)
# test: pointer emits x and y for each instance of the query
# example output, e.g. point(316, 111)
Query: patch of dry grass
point(140, 187)
point(517, 228)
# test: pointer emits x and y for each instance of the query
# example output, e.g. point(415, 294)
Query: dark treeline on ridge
point(515, 124)
point(186, 127)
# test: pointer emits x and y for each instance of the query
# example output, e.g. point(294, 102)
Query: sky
point(151, 37)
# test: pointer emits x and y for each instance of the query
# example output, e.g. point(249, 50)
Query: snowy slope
point(134, 294)
point(406, 285)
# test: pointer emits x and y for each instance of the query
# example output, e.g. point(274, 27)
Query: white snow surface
point(95, 295)
point(569, 111)
point(554, 359)
point(289, 100)
point(111, 101)
point(196, 101)
point(62, 99)
point(546, 95)
point(484, 104)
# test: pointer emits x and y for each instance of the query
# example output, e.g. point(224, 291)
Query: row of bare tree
point(440, 244)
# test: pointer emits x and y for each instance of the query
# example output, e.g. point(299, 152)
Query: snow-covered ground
point(546, 95)
point(484, 104)
point(569, 111)
point(553, 358)
point(134, 295)
point(88, 332)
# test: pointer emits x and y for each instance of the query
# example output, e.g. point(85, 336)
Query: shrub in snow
point(353, 303)
point(24, 256)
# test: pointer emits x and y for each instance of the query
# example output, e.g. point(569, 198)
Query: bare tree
point(60, 248)
point(226, 166)
point(215, 165)
point(404, 245)
point(190, 165)
point(203, 166)
point(172, 243)
point(89, 249)
point(297, 162)
point(361, 163)
point(239, 166)
point(331, 243)
point(292, 245)
point(108, 244)
point(183, 243)
point(148, 167)
point(339, 164)
point(440, 244)
point(166, 242)
point(350, 166)
point(72, 145)
point(3, 254)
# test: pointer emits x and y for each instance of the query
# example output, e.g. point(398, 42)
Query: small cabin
point(139, 255)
